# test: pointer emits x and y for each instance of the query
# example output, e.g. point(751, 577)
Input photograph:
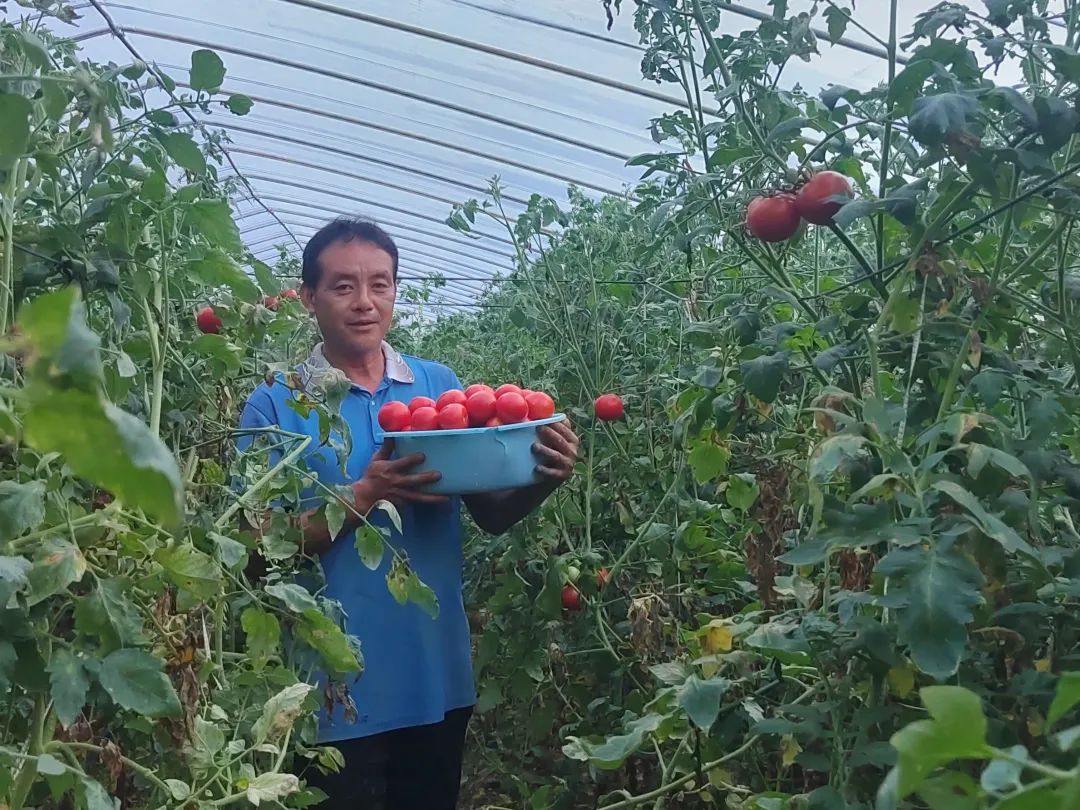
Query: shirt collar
point(397, 370)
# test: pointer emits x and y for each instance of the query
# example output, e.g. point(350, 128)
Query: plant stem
point(886, 138)
point(28, 770)
point(285, 461)
point(7, 268)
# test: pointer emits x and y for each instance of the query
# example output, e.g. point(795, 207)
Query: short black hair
point(344, 229)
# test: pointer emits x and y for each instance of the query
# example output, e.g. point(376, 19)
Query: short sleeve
point(258, 415)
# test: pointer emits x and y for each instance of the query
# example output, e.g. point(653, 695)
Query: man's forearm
point(496, 512)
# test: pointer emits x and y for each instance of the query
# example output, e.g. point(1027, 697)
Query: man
point(416, 694)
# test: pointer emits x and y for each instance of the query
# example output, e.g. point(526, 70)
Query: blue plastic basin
point(475, 459)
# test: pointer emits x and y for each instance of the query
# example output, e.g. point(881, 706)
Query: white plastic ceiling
point(397, 109)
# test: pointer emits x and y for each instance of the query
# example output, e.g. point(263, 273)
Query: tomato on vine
point(207, 321)
point(571, 598)
point(774, 218)
point(608, 407)
point(814, 201)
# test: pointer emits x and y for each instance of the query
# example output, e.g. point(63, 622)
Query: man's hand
point(558, 448)
point(387, 479)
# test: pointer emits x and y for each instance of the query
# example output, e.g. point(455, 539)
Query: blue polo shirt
point(415, 668)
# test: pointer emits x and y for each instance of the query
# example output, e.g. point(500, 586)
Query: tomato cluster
point(776, 217)
point(477, 406)
point(208, 322)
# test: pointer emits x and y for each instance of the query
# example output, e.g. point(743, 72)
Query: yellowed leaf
point(1043, 664)
point(790, 750)
point(901, 680)
point(717, 638)
point(1036, 725)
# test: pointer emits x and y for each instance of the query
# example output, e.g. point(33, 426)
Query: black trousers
point(417, 768)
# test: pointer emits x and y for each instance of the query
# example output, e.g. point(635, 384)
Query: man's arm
point(496, 512)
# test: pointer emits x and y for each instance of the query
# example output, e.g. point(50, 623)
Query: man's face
point(354, 301)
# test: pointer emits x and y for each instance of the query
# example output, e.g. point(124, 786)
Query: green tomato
point(573, 572)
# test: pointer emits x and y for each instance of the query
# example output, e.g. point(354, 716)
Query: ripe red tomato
point(511, 408)
point(421, 402)
point(608, 407)
point(394, 416)
point(571, 598)
point(453, 416)
point(525, 392)
point(773, 219)
point(492, 422)
point(290, 294)
point(207, 321)
point(812, 201)
point(425, 418)
point(508, 388)
point(271, 303)
point(541, 406)
point(472, 389)
point(481, 407)
point(451, 397)
point(602, 577)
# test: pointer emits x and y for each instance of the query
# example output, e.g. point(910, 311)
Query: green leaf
point(107, 447)
point(54, 95)
point(742, 491)
point(95, 797)
point(109, 614)
point(295, 597)
point(422, 595)
point(990, 525)
point(213, 219)
point(612, 752)
point(786, 129)
point(837, 19)
point(326, 638)
point(934, 119)
point(190, 569)
point(335, 517)
point(370, 546)
point(956, 730)
point(762, 375)
point(177, 789)
point(34, 49)
point(271, 786)
point(135, 681)
point(1066, 697)
point(57, 565)
point(701, 699)
point(230, 552)
point(268, 282)
point(68, 685)
point(22, 507)
point(397, 582)
point(218, 270)
point(263, 635)
point(239, 104)
point(708, 461)
point(49, 765)
point(221, 349)
point(828, 456)
point(391, 512)
point(940, 588)
point(280, 712)
point(15, 112)
point(182, 148)
point(1002, 775)
point(207, 71)
point(831, 95)
point(1058, 121)
point(13, 576)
